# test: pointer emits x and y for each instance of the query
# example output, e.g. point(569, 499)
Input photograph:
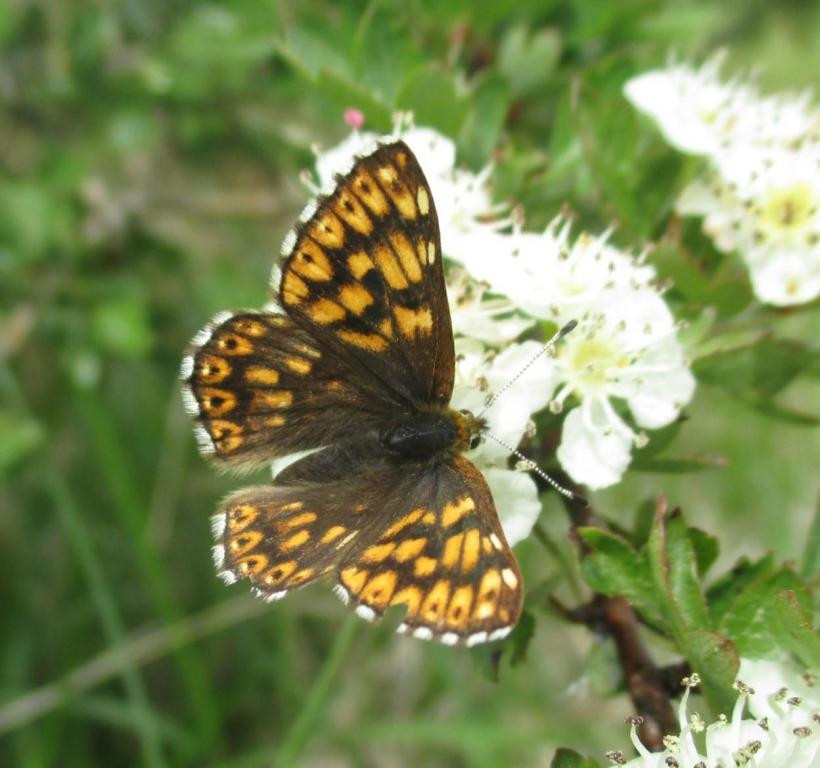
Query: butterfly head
point(470, 430)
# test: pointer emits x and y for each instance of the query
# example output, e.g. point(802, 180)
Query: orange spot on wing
point(295, 541)
point(333, 533)
point(409, 549)
point(472, 550)
point(452, 551)
point(454, 512)
point(264, 399)
point(402, 523)
point(409, 596)
point(327, 230)
point(389, 266)
point(212, 369)
point(407, 256)
point(299, 365)
point(434, 605)
point(359, 264)
point(240, 517)
point(325, 311)
point(232, 344)
point(294, 289)
point(244, 542)
point(311, 262)
point(379, 589)
point(397, 191)
point(348, 208)
point(458, 611)
point(306, 518)
point(353, 579)
point(252, 565)
point(364, 186)
point(371, 342)
point(217, 402)
point(355, 297)
point(257, 374)
point(424, 566)
point(413, 322)
point(378, 552)
point(280, 572)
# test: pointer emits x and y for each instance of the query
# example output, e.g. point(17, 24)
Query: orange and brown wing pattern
point(444, 559)
point(363, 273)
point(426, 539)
point(260, 387)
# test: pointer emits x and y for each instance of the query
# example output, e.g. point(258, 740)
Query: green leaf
point(528, 60)
point(811, 556)
point(673, 568)
point(482, 127)
point(722, 594)
point(19, 437)
point(706, 549)
point(521, 637)
point(121, 326)
point(613, 568)
point(677, 466)
point(715, 658)
point(795, 630)
point(569, 758)
point(430, 94)
point(751, 621)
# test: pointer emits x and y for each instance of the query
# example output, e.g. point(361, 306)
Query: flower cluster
point(620, 371)
point(760, 194)
point(785, 731)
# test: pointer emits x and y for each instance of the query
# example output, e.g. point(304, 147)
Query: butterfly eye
point(475, 441)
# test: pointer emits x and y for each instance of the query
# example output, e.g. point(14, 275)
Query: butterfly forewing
point(365, 276)
point(425, 540)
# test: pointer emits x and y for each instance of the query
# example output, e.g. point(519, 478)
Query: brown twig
point(649, 686)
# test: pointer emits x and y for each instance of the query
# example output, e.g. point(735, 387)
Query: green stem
point(316, 702)
point(103, 599)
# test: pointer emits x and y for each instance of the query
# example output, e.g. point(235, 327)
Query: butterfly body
point(357, 367)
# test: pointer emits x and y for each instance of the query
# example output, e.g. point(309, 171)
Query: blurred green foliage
point(149, 161)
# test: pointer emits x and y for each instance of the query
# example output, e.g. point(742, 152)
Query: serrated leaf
point(673, 570)
point(794, 629)
point(569, 758)
point(723, 593)
point(674, 466)
point(430, 93)
point(483, 124)
point(521, 638)
point(706, 549)
point(750, 621)
point(715, 658)
point(811, 556)
point(726, 343)
point(613, 568)
point(528, 59)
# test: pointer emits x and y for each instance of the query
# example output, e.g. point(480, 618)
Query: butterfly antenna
point(576, 498)
point(546, 348)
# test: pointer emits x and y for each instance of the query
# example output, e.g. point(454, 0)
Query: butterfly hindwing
point(423, 537)
point(364, 274)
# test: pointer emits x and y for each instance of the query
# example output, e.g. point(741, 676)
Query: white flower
point(699, 113)
point(778, 687)
point(765, 203)
point(624, 348)
point(777, 742)
point(627, 351)
point(479, 372)
point(694, 110)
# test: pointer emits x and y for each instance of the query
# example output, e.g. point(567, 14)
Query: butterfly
point(356, 364)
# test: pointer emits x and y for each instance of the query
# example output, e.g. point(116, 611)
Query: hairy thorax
point(433, 434)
